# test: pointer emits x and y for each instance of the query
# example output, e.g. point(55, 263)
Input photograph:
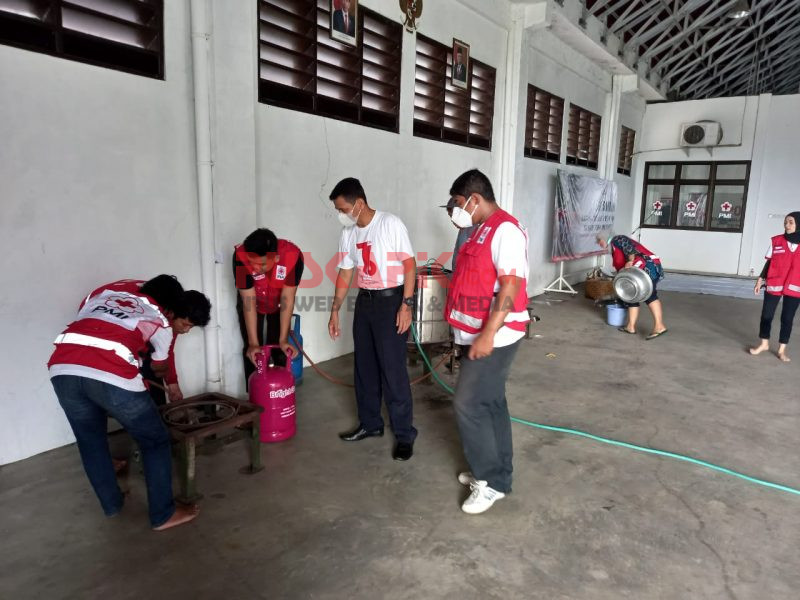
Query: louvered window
point(447, 113)
point(626, 139)
point(583, 137)
point(127, 35)
point(543, 123)
point(302, 68)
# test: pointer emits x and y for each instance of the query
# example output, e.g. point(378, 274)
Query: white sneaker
point(466, 478)
point(481, 499)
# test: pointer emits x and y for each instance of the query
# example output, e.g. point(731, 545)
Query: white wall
point(773, 190)
point(98, 185)
point(761, 129)
point(402, 174)
point(555, 67)
point(631, 116)
point(235, 75)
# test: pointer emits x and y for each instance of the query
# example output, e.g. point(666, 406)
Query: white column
point(205, 200)
point(523, 17)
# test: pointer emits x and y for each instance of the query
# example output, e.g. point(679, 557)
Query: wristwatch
point(409, 302)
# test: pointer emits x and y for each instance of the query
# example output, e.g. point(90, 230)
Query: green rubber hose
point(597, 438)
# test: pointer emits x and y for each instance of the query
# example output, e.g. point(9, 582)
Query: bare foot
point(783, 357)
point(183, 514)
point(759, 349)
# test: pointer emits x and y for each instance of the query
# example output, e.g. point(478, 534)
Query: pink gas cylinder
point(273, 388)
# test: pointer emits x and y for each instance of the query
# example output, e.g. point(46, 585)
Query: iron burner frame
point(189, 438)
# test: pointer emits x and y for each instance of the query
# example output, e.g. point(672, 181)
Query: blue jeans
point(87, 404)
point(482, 415)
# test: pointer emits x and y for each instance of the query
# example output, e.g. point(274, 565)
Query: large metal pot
point(429, 298)
point(633, 285)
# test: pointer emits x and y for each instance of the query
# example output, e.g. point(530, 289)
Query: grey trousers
point(482, 416)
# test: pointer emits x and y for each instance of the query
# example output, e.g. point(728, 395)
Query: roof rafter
point(744, 58)
point(731, 41)
point(699, 51)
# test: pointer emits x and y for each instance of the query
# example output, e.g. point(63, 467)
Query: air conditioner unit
point(701, 134)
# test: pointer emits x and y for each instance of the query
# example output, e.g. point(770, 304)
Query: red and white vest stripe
point(783, 275)
point(113, 326)
point(268, 286)
point(471, 293)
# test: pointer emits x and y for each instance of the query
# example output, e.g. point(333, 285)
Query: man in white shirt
point(487, 307)
point(375, 244)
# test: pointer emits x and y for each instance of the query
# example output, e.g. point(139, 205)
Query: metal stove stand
point(223, 414)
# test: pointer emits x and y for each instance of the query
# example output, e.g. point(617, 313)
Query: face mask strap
point(474, 208)
point(359, 213)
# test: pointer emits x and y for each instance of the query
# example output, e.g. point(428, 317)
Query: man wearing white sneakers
point(487, 307)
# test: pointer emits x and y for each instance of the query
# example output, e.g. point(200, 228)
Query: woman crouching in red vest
point(267, 272)
point(626, 252)
point(782, 274)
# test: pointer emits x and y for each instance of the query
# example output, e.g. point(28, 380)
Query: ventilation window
point(583, 137)
point(544, 120)
point(447, 113)
point(127, 35)
point(626, 139)
point(302, 68)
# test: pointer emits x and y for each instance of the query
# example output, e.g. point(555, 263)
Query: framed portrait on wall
point(344, 21)
point(459, 75)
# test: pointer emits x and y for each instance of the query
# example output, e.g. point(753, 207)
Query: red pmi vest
point(619, 258)
point(783, 275)
point(113, 326)
point(268, 285)
point(471, 293)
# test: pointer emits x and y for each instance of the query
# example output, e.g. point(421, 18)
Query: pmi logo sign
point(281, 393)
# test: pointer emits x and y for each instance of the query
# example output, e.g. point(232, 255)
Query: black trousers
point(380, 366)
point(790, 305)
point(270, 336)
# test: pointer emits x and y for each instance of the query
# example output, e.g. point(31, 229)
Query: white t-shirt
point(792, 248)
point(510, 256)
point(377, 251)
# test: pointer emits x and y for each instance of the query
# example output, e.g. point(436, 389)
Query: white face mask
point(461, 218)
point(347, 219)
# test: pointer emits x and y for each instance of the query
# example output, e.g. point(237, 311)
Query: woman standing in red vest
point(782, 275)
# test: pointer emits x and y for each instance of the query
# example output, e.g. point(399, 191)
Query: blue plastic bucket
point(615, 315)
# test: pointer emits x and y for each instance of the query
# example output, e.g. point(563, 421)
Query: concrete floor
point(328, 519)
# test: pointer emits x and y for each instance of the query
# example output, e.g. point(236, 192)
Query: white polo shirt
point(377, 251)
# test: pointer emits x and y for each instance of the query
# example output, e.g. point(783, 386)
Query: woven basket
point(599, 287)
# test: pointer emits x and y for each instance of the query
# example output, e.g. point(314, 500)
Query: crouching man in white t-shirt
point(487, 307)
point(376, 245)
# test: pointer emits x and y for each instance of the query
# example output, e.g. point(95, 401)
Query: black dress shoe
point(359, 433)
point(403, 451)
